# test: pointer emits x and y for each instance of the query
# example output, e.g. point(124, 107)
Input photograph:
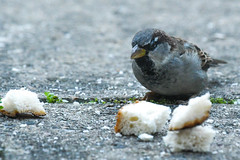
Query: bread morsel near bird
point(197, 139)
point(184, 133)
point(195, 113)
point(141, 117)
point(21, 101)
point(169, 66)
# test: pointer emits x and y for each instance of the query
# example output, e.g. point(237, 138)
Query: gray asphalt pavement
point(81, 50)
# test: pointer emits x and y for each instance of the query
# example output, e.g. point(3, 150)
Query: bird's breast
point(180, 75)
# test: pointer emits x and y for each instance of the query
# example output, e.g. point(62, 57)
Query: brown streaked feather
point(179, 47)
point(207, 61)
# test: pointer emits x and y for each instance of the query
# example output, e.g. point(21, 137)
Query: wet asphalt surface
point(80, 50)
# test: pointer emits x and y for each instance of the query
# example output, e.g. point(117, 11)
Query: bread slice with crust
point(195, 113)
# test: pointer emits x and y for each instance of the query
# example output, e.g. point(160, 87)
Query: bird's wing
point(185, 47)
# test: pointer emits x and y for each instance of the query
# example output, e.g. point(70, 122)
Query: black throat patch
point(146, 65)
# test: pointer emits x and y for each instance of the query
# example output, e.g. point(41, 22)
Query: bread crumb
point(21, 101)
point(141, 117)
point(195, 113)
point(105, 128)
point(145, 137)
point(23, 125)
point(197, 139)
point(118, 135)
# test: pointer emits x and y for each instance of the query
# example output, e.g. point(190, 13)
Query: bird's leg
point(151, 96)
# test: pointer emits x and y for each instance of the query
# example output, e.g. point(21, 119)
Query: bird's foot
point(152, 96)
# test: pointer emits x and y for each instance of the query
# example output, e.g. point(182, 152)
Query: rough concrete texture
point(82, 48)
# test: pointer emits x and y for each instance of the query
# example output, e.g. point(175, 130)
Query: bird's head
point(146, 41)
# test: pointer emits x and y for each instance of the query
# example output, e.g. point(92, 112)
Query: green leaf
point(1, 107)
point(51, 98)
point(222, 101)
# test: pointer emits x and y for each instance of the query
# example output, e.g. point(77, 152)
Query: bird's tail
point(216, 62)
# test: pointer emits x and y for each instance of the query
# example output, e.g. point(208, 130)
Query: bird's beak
point(137, 52)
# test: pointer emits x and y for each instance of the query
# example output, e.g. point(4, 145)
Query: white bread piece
point(21, 101)
point(197, 139)
point(195, 113)
point(141, 117)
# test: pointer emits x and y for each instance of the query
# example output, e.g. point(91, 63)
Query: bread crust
point(15, 112)
point(119, 116)
point(192, 123)
point(9, 114)
point(40, 113)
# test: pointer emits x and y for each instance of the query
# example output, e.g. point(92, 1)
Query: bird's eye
point(154, 42)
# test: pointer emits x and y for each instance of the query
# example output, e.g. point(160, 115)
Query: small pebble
point(85, 131)
point(97, 112)
point(15, 70)
point(65, 101)
point(99, 81)
point(118, 135)
point(89, 127)
point(105, 127)
point(89, 108)
point(23, 125)
point(77, 104)
point(219, 35)
point(210, 121)
point(237, 101)
point(78, 92)
point(162, 154)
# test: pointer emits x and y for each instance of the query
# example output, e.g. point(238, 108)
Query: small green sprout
point(222, 101)
point(104, 102)
point(116, 101)
point(96, 100)
point(1, 107)
point(51, 98)
point(152, 101)
point(163, 101)
point(132, 99)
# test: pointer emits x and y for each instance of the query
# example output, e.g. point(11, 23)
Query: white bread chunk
point(21, 101)
point(197, 139)
point(195, 113)
point(141, 117)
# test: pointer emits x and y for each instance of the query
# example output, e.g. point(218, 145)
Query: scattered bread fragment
point(145, 137)
point(141, 117)
point(195, 113)
point(197, 139)
point(21, 101)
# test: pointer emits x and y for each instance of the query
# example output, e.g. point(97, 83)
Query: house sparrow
point(168, 65)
